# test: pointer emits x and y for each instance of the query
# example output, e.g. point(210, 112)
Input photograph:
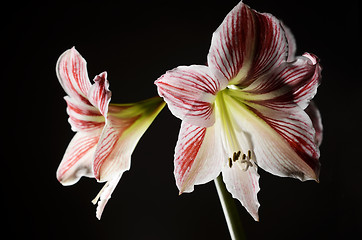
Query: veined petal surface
point(315, 116)
point(283, 142)
point(292, 44)
point(190, 92)
point(246, 45)
point(126, 123)
point(99, 94)
point(198, 156)
point(77, 160)
point(83, 117)
point(71, 70)
point(244, 186)
point(292, 82)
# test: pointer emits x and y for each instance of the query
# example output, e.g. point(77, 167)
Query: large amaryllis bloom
point(106, 133)
point(247, 108)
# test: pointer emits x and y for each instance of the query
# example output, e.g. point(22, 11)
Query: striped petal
point(292, 44)
point(113, 153)
point(246, 45)
point(72, 74)
point(105, 194)
point(315, 116)
point(190, 93)
point(77, 160)
point(125, 126)
point(244, 186)
point(293, 82)
point(83, 117)
point(198, 156)
point(283, 139)
point(99, 94)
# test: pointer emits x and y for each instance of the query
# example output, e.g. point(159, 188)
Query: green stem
point(230, 210)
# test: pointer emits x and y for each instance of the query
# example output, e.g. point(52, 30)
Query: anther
point(234, 156)
point(245, 159)
point(238, 154)
point(230, 163)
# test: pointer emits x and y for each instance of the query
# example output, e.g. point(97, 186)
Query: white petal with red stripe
point(292, 44)
point(83, 117)
point(99, 94)
point(78, 157)
point(246, 45)
point(190, 93)
point(72, 74)
point(244, 186)
point(292, 82)
point(283, 142)
point(198, 156)
point(113, 154)
point(125, 126)
point(315, 116)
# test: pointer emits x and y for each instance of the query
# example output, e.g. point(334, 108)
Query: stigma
point(244, 161)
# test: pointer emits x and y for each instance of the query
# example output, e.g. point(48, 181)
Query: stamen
point(238, 154)
point(248, 164)
point(245, 160)
point(230, 163)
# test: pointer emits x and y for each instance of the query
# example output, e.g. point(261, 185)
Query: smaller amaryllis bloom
point(248, 107)
point(106, 134)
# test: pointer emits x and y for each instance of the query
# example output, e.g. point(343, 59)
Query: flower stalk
point(230, 211)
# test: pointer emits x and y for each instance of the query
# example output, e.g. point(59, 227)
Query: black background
point(136, 43)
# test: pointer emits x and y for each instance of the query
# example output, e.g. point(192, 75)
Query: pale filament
point(244, 163)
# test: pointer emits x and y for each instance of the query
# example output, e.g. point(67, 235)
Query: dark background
point(136, 43)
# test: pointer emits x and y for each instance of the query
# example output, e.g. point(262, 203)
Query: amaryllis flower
point(106, 133)
point(246, 109)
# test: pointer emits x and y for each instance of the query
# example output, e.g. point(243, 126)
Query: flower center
point(234, 139)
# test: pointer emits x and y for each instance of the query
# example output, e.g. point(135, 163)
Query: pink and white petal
point(77, 160)
point(315, 116)
point(244, 186)
point(283, 142)
point(292, 44)
point(293, 82)
point(198, 156)
point(72, 74)
point(113, 153)
point(99, 94)
point(83, 117)
point(125, 126)
point(247, 45)
point(105, 194)
point(304, 90)
point(190, 93)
